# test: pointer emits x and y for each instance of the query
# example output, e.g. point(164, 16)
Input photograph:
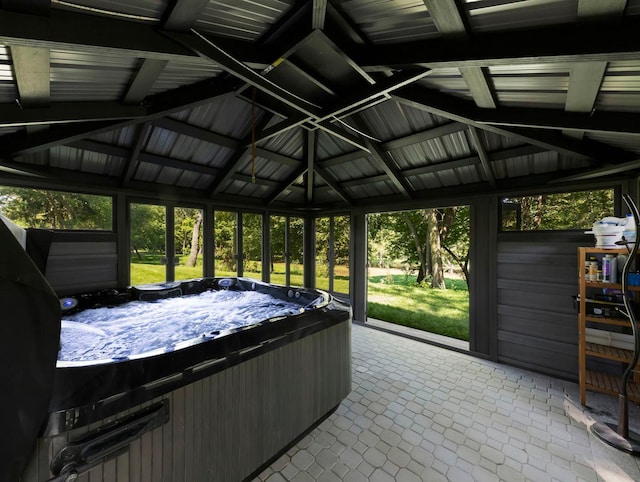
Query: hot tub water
point(139, 327)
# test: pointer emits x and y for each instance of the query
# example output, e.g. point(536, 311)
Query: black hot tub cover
point(29, 338)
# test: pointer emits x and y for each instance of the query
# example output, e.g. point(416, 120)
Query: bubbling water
point(139, 327)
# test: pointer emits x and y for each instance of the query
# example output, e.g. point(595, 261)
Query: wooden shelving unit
point(591, 379)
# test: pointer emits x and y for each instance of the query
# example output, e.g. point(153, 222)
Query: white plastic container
point(629, 232)
point(607, 234)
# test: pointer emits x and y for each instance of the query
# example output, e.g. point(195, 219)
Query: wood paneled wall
point(82, 262)
point(226, 426)
point(537, 320)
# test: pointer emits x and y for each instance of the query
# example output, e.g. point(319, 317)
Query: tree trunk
point(422, 270)
point(195, 241)
point(435, 250)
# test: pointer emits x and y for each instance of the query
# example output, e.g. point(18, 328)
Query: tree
point(195, 240)
point(423, 237)
point(44, 209)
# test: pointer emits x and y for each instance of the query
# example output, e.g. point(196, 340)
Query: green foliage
point(391, 242)
point(33, 208)
point(573, 210)
point(148, 223)
point(398, 300)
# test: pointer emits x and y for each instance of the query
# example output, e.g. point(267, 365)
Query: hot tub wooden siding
point(226, 426)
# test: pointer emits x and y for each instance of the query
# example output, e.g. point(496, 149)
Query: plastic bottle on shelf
point(609, 269)
point(629, 232)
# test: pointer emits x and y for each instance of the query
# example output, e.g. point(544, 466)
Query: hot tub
point(218, 405)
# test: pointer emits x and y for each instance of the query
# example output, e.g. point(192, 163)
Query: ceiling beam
point(344, 105)
point(277, 157)
point(133, 159)
point(286, 184)
point(341, 159)
point(196, 132)
point(562, 43)
point(484, 158)
point(425, 135)
point(20, 143)
point(11, 114)
point(384, 161)
point(441, 166)
point(148, 72)
point(318, 14)
point(31, 66)
point(478, 81)
point(64, 30)
point(159, 105)
point(334, 184)
point(446, 16)
point(101, 147)
point(467, 113)
point(232, 164)
point(182, 14)
point(177, 164)
point(207, 48)
point(605, 171)
point(599, 9)
point(310, 151)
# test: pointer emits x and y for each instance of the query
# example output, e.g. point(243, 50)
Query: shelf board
point(608, 321)
point(608, 352)
point(607, 383)
point(614, 286)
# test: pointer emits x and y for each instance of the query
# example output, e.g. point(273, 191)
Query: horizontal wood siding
point(80, 263)
point(226, 426)
point(537, 319)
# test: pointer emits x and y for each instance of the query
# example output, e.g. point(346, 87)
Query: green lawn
point(393, 298)
point(397, 298)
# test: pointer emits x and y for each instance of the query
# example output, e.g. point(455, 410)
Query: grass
point(398, 299)
point(394, 298)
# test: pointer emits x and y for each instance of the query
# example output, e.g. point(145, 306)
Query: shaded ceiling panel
point(79, 76)
point(241, 188)
point(140, 10)
point(228, 116)
point(211, 155)
point(8, 89)
point(146, 172)
point(371, 190)
point(531, 83)
point(620, 87)
point(454, 84)
point(292, 196)
point(169, 175)
point(289, 143)
point(486, 16)
point(177, 74)
point(86, 161)
point(551, 100)
point(389, 120)
point(348, 171)
point(470, 174)
point(493, 142)
point(264, 169)
point(327, 196)
point(123, 137)
point(393, 20)
point(424, 182)
point(241, 19)
point(329, 146)
point(194, 180)
point(624, 141)
point(320, 58)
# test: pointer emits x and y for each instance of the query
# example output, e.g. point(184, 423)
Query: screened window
point(35, 208)
point(551, 212)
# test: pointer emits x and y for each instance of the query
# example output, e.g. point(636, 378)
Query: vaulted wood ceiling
point(318, 103)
